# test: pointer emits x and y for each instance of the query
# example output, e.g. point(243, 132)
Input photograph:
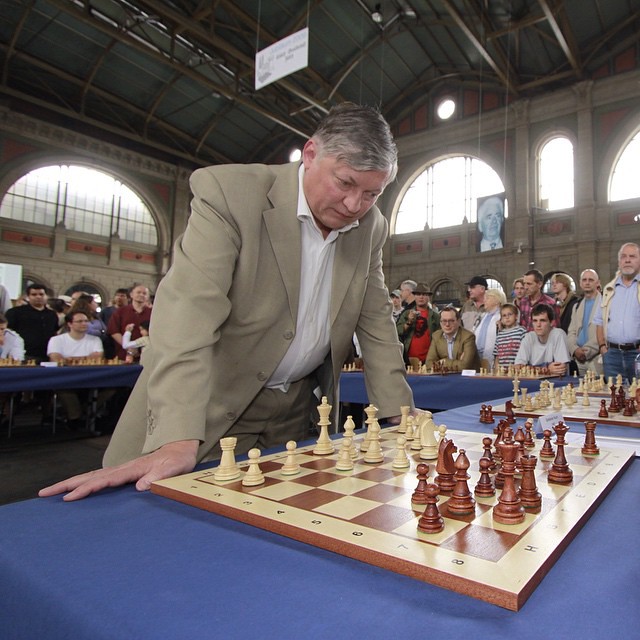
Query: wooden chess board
point(367, 514)
point(576, 413)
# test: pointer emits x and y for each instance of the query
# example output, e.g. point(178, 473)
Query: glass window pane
point(624, 181)
point(556, 174)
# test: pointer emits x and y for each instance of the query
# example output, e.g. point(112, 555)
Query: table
point(438, 392)
point(124, 564)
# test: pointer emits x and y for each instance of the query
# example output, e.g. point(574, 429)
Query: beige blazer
point(225, 313)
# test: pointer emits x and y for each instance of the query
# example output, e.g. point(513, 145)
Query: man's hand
point(558, 368)
point(580, 354)
point(172, 459)
point(396, 419)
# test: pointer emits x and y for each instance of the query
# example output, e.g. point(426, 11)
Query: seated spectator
point(416, 325)
point(487, 330)
point(546, 345)
point(129, 345)
point(509, 337)
point(566, 298)
point(11, 344)
point(453, 347)
point(75, 344)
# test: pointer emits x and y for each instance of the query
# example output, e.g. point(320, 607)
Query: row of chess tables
point(126, 564)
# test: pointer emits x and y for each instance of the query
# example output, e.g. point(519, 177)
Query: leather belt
point(629, 346)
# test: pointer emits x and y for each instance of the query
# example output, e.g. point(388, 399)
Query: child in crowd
point(140, 343)
point(509, 336)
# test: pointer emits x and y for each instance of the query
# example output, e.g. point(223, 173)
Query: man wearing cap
point(473, 309)
point(396, 301)
point(416, 326)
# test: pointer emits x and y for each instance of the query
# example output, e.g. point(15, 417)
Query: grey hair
point(360, 136)
point(626, 244)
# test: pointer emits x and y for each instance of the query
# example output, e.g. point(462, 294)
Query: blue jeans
point(616, 361)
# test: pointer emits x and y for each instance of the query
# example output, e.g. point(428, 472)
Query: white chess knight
point(426, 431)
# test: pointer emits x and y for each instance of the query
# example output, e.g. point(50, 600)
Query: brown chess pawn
point(486, 453)
point(560, 473)
point(419, 496)
point(603, 413)
point(547, 448)
point(431, 520)
point(484, 488)
point(529, 441)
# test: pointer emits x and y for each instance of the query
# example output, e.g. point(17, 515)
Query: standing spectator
point(133, 313)
point(581, 336)
point(566, 298)
point(473, 309)
point(618, 317)
point(487, 330)
point(61, 306)
point(396, 301)
point(518, 291)
point(34, 322)
point(120, 299)
point(406, 294)
point(546, 345)
point(416, 326)
point(11, 344)
point(5, 299)
point(533, 281)
point(452, 346)
point(509, 336)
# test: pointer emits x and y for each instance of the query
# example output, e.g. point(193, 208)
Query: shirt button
point(262, 376)
point(288, 335)
point(230, 415)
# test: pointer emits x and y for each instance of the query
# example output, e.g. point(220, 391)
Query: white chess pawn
point(345, 461)
point(253, 476)
point(290, 466)
point(401, 460)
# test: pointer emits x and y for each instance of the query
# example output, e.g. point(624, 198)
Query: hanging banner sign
point(282, 58)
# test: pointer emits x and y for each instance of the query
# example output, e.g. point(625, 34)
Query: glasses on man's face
point(80, 321)
point(445, 321)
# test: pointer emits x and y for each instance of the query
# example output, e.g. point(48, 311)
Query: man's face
point(490, 219)
point(37, 298)
point(476, 292)
point(422, 300)
point(531, 287)
point(120, 300)
point(140, 294)
point(79, 323)
point(336, 193)
point(449, 323)
point(397, 303)
point(405, 292)
point(629, 261)
point(541, 325)
point(589, 282)
point(3, 328)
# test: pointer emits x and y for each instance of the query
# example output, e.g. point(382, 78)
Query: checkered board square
point(367, 514)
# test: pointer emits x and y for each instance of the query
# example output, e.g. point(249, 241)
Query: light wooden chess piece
point(428, 442)
point(253, 477)
point(401, 460)
point(227, 469)
point(324, 446)
point(290, 466)
point(371, 412)
point(345, 461)
point(350, 432)
point(373, 454)
point(404, 412)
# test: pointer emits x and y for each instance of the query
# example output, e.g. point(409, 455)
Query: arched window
point(445, 194)
point(446, 292)
point(624, 179)
point(80, 199)
point(555, 174)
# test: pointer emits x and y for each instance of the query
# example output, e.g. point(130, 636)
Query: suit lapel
point(283, 229)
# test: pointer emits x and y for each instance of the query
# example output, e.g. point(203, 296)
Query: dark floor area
point(33, 457)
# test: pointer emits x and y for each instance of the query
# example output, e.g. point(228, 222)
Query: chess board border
point(507, 583)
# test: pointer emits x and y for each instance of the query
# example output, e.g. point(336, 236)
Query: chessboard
point(575, 413)
point(367, 513)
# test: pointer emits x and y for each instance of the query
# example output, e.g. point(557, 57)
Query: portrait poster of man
point(490, 223)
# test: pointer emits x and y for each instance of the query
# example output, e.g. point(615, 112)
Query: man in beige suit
point(452, 346)
point(304, 244)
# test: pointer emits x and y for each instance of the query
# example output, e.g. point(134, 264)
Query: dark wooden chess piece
point(419, 496)
point(508, 510)
point(547, 448)
point(461, 501)
point(498, 430)
point(486, 453)
point(511, 418)
point(629, 407)
point(560, 473)
point(590, 448)
point(519, 438)
point(484, 487)
point(613, 404)
point(445, 466)
point(529, 495)
point(529, 441)
point(431, 521)
point(603, 413)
